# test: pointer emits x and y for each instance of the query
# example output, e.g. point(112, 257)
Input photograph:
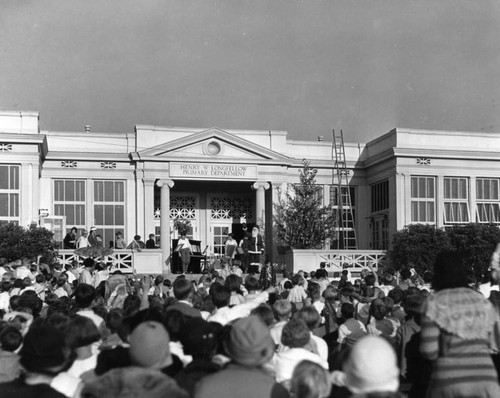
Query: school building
point(140, 181)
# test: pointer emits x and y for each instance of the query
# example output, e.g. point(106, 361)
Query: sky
point(305, 67)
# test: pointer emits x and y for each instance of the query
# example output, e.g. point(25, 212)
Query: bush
point(417, 245)
point(17, 242)
point(476, 243)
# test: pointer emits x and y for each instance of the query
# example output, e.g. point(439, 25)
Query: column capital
point(149, 182)
point(260, 184)
point(167, 182)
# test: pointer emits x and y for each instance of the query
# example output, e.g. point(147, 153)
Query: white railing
point(335, 260)
point(121, 260)
point(354, 258)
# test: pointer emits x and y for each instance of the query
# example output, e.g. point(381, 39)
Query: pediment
point(211, 144)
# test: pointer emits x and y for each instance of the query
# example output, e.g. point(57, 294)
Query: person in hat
point(371, 367)
point(455, 334)
point(250, 346)
point(44, 354)
point(150, 355)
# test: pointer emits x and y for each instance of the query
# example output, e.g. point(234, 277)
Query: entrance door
point(218, 237)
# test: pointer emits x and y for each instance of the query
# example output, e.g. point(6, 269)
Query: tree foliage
point(300, 218)
point(417, 246)
point(17, 242)
point(476, 243)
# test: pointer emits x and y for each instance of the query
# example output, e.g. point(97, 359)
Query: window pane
point(463, 189)
point(14, 177)
point(79, 214)
point(99, 214)
point(108, 235)
point(479, 189)
point(454, 188)
point(414, 187)
point(487, 190)
point(59, 210)
point(69, 191)
point(98, 191)
point(421, 188)
point(58, 190)
point(70, 214)
point(119, 191)
point(108, 215)
point(422, 211)
point(494, 189)
point(4, 204)
point(430, 188)
point(119, 215)
point(108, 191)
point(430, 212)
point(447, 188)
point(80, 191)
point(14, 205)
point(414, 212)
point(464, 213)
point(4, 177)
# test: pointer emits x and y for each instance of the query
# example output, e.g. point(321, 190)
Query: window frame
point(459, 205)
point(493, 201)
point(13, 192)
point(427, 199)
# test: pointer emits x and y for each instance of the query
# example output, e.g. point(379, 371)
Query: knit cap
point(149, 346)
point(250, 342)
point(371, 366)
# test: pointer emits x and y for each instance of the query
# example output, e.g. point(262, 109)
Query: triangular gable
point(192, 146)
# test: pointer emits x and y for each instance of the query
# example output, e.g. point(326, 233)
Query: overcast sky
point(306, 67)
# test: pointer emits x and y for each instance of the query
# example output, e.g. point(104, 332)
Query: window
point(380, 233)
point(423, 200)
point(487, 200)
point(456, 204)
point(69, 201)
point(346, 234)
point(380, 196)
point(109, 209)
point(9, 194)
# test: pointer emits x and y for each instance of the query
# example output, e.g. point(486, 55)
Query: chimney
point(87, 128)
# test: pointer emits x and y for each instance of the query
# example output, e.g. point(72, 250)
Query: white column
point(472, 199)
point(165, 186)
point(439, 201)
point(148, 206)
point(260, 214)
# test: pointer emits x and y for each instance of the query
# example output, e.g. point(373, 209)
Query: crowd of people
point(83, 331)
point(80, 240)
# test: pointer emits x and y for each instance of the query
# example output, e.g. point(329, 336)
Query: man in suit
point(183, 292)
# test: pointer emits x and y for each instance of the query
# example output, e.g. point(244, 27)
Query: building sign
point(213, 170)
